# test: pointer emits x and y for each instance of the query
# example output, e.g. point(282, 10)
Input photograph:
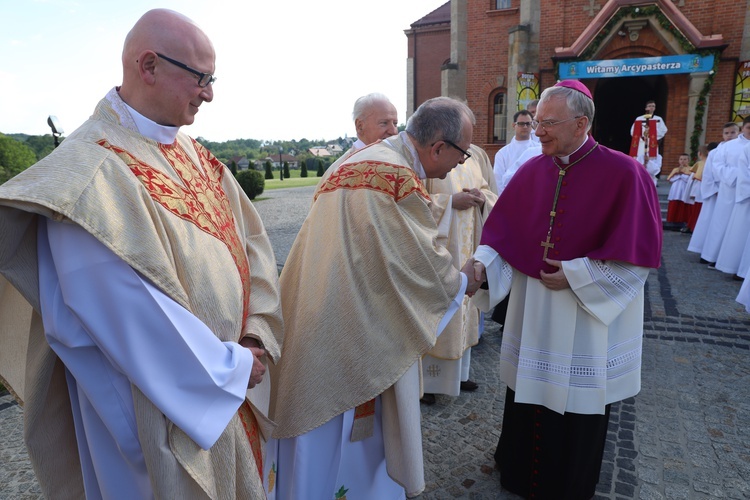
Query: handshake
point(475, 272)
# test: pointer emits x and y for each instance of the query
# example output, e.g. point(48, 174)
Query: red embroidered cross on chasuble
point(200, 200)
point(394, 180)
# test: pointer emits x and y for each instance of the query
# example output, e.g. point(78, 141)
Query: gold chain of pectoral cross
point(553, 213)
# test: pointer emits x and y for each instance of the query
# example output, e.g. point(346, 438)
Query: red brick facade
point(619, 100)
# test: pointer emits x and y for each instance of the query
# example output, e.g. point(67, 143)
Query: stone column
point(523, 51)
point(697, 80)
point(453, 75)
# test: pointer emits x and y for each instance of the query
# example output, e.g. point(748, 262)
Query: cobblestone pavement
point(686, 435)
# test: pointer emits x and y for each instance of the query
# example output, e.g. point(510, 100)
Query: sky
point(286, 70)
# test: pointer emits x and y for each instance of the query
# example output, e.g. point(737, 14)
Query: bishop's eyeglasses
point(547, 124)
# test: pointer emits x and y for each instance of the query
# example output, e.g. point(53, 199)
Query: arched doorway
point(619, 101)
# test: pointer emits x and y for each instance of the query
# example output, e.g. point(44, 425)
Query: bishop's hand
point(555, 280)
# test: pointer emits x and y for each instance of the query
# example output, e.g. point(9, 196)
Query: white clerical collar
point(358, 144)
point(160, 133)
point(566, 159)
point(417, 167)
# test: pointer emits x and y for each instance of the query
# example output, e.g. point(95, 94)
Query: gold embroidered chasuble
point(172, 214)
point(363, 290)
point(460, 232)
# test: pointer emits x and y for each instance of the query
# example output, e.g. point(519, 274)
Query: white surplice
point(507, 156)
point(744, 296)
point(709, 187)
point(573, 350)
point(738, 227)
point(525, 156)
point(725, 168)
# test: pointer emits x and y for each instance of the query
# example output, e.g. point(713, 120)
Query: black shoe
point(469, 386)
point(428, 399)
point(737, 277)
point(704, 261)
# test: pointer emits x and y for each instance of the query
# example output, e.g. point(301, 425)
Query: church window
point(502, 4)
point(499, 118)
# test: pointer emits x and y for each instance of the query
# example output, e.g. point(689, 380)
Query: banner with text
point(641, 66)
point(527, 89)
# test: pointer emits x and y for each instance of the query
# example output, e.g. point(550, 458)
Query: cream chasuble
point(459, 231)
point(172, 214)
point(364, 290)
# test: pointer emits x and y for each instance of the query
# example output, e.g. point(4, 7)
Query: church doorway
point(619, 101)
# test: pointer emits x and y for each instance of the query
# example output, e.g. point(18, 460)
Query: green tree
point(286, 169)
point(251, 182)
point(42, 145)
point(321, 170)
point(15, 157)
point(233, 168)
point(269, 169)
point(303, 169)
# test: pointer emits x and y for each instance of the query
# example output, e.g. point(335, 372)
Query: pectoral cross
point(547, 245)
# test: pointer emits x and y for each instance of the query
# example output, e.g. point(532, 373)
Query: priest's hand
point(556, 280)
point(259, 369)
point(478, 195)
point(475, 275)
point(465, 200)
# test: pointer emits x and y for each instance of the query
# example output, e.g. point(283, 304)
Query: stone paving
point(685, 436)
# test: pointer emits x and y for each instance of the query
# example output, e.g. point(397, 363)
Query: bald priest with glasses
point(572, 239)
point(154, 292)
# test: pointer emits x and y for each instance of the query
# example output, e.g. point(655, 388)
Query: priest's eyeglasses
point(204, 79)
point(545, 124)
point(467, 155)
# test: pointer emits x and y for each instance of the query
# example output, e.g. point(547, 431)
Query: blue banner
point(641, 66)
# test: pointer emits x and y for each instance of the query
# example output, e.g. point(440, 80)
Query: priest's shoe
point(469, 386)
point(428, 399)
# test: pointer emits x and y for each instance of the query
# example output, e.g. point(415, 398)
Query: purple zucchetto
point(575, 85)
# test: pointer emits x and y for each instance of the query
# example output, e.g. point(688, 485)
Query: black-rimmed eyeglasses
point(467, 155)
point(204, 79)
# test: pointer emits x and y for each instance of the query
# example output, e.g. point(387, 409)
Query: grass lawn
point(291, 183)
point(294, 181)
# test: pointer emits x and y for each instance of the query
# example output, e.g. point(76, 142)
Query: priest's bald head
point(168, 65)
point(441, 129)
point(375, 118)
point(564, 117)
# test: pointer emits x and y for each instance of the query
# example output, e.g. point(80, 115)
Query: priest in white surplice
point(572, 239)
point(366, 290)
